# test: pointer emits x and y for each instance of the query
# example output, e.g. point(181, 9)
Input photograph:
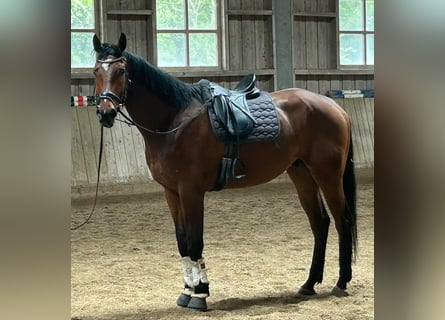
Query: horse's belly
point(263, 162)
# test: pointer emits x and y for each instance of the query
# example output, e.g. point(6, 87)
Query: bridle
point(111, 96)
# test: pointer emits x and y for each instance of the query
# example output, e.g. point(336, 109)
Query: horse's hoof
point(197, 304)
point(336, 291)
point(183, 300)
point(306, 292)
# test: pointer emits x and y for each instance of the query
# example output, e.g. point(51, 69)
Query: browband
point(113, 60)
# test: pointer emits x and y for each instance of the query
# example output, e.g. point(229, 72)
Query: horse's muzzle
point(106, 116)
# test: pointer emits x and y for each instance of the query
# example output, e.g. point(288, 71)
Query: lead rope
point(97, 182)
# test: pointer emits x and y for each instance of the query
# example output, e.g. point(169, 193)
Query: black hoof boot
point(336, 291)
point(183, 300)
point(197, 303)
point(306, 291)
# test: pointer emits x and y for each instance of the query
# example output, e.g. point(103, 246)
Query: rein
point(97, 182)
point(131, 122)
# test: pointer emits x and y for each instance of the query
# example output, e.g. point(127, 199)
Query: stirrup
point(241, 175)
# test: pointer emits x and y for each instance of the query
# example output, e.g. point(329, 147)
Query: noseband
point(111, 96)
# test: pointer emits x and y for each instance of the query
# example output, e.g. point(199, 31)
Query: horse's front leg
point(187, 211)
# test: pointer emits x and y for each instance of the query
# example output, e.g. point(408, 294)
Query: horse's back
point(291, 98)
point(306, 110)
point(317, 124)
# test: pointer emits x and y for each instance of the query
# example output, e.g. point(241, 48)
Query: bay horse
point(314, 147)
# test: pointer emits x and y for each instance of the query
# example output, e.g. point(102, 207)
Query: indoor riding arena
point(258, 242)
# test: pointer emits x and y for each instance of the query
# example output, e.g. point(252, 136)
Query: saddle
point(230, 109)
point(230, 106)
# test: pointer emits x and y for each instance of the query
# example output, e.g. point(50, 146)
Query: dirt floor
point(258, 249)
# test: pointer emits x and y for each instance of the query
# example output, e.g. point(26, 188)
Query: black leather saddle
point(231, 107)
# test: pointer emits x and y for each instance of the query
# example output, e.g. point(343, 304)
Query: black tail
point(349, 189)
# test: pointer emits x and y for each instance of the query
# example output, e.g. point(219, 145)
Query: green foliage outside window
point(82, 55)
point(351, 15)
point(203, 49)
point(170, 14)
point(356, 26)
point(82, 18)
point(179, 36)
point(82, 14)
point(202, 14)
point(351, 49)
point(171, 50)
point(369, 15)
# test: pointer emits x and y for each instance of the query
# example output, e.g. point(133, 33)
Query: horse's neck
point(152, 113)
point(149, 111)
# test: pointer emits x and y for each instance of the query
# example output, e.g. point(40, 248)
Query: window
point(187, 33)
point(356, 32)
point(82, 30)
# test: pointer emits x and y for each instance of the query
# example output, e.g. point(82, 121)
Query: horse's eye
point(121, 71)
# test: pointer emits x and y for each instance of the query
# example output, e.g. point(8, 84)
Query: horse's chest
point(164, 172)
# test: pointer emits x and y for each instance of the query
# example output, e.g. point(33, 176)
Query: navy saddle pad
point(266, 127)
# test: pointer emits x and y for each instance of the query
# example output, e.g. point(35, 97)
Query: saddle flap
point(220, 108)
point(231, 106)
point(241, 120)
point(237, 121)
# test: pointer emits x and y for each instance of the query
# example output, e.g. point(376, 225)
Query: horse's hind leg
point(310, 199)
point(336, 186)
point(337, 205)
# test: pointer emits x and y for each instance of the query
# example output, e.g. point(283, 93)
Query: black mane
point(175, 92)
point(158, 82)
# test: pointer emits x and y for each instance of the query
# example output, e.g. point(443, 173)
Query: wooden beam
point(332, 72)
point(249, 12)
point(131, 12)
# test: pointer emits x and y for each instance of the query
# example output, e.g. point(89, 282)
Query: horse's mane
point(175, 92)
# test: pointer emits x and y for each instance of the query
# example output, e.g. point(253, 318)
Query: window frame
point(362, 32)
point(187, 31)
point(96, 30)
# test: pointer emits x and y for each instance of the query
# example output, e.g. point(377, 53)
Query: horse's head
point(111, 79)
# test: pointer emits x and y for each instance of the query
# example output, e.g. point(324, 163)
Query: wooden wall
point(361, 111)
point(315, 47)
point(248, 30)
point(123, 152)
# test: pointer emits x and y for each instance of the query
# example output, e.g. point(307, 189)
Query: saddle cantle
point(242, 115)
point(247, 84)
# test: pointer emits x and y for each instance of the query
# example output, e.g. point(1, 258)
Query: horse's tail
point(349, 189)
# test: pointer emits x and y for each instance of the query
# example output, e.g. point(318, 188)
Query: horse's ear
point(96, 42)
point(122, 42)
